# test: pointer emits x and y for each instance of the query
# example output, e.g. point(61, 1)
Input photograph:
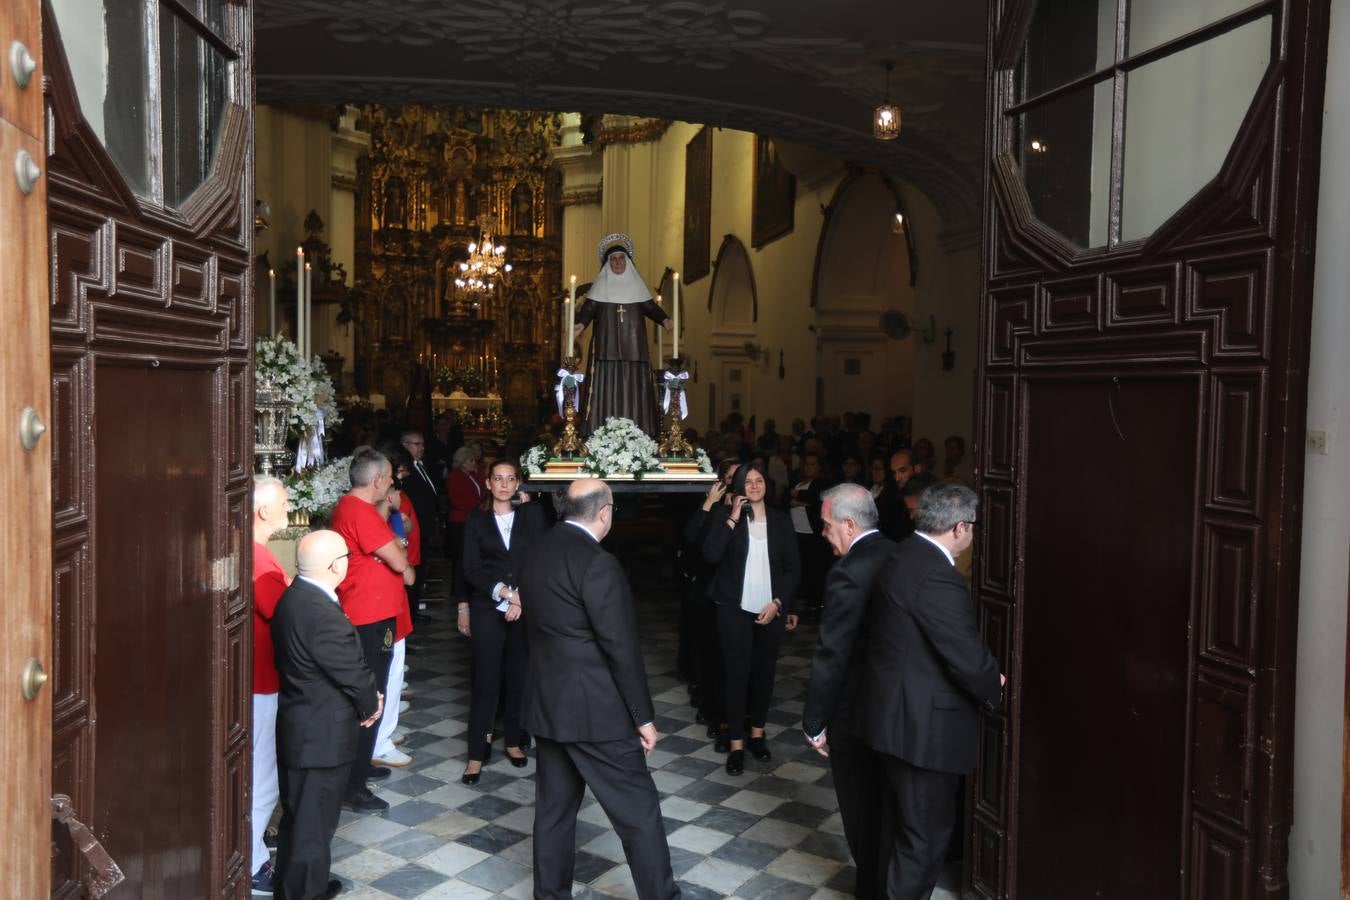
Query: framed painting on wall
point(698, 206)
point(775, 195)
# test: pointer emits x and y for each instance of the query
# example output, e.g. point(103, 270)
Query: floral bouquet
point(471, 380)
point(304, 385)
point(535, 460)
point(318, 489)
point(620, 447)
point(704, 462)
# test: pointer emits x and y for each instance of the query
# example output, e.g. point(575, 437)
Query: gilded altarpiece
point(435, 178)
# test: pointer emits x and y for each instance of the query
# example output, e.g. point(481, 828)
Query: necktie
point(423, 472)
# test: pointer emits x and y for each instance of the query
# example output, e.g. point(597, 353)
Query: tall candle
point(675, 330)
point(309, 312)
point(272, 301)
point(571, 313)
point(563, 317)
point(299, 335)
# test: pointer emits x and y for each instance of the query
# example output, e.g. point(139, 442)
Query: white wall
point(1314, 844)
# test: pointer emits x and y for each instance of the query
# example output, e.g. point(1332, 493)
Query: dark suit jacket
point(927, 669)
point(326, 689)
point(836, 668)
point(428, 502)
point(586, 681)
point(894, 518)
point(727, 549)
point(487, 562)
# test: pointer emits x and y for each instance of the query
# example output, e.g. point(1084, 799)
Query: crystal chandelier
point(886, 117)
point(486, 263)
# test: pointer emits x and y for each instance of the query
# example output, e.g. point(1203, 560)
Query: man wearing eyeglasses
point(328, 701)
point(926, 676)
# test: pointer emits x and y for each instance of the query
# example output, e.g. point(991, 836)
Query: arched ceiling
point(805, 71)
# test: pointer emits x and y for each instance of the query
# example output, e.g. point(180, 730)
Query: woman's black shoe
point(470, 777)
point(722, 743)
point(735, 762)
point(759, 749)
point(712, 729)
point(519, 762)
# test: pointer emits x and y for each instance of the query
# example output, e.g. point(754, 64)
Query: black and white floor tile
point(773, 832)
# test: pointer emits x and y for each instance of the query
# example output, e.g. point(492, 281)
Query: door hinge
point(103, 874)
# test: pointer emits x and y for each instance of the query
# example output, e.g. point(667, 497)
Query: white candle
point(309, 312)
point(571, 313)
point(299, 335)
point(660, 337)
point(562, 317)
point(272, 301)
point(675, 330)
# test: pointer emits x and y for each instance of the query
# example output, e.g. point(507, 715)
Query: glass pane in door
point(196, 98)
point(1181, 116)
point(1058, 49)
point(1064, 152)
point(1154, 22)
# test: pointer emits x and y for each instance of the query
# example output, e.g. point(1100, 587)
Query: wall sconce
point(756, 352)
point(948, 355)
point(898, 225)
point(782, 372)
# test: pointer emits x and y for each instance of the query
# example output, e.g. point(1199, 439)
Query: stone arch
point(860, 253)
point(733, 299)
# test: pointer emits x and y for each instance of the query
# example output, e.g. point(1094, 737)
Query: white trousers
point(393, 693)
point(266, 791)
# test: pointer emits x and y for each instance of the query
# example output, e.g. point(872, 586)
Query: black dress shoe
point(334, 888)
point(759, 749)
point(377, 773)
point(364, 801)
point(519, 762)
point(470, 777)
point(722, 743)
point(525, 741)
point(735, 762)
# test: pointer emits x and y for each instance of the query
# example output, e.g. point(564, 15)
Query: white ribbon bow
point(309, 452)
point(679, 389)
point(563, 375)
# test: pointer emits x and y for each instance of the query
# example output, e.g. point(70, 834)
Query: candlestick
point(675, 329)
point(571, 314)
point(299, 335)
point(272, 302)
point(660, 337)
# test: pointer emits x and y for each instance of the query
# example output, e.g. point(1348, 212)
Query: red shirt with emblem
point(269, 583)
point(403, 626)
point(371, 591)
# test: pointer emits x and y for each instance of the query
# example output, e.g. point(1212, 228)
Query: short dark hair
point(918, 484)
point(507, 461)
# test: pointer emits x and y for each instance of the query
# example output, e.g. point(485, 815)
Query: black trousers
point(711, 682)
point(454, 551)
point(377, 644)
point(860, 785)
point(816, 558)
point(749, 660)
point(616, 772)
point(500, 655)
point(311, 801)
point(924, 804)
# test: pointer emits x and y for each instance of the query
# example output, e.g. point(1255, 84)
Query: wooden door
point(1151, 191)
point(150, 233)
point(25, 471)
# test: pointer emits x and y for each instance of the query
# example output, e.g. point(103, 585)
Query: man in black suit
point(586, 700)
point(327, 696)
point(831, 715)
point(926, 675)
point(426, 491)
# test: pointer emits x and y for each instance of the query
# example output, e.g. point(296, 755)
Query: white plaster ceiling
point(807, 71)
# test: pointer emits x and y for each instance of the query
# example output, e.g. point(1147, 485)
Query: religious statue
point(522, 210)
point(619, 378)
point(395, 203)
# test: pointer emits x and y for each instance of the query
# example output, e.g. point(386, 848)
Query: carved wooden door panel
point(1151, 189)
point(150, 235)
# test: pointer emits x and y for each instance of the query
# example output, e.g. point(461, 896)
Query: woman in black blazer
point(497, 542)
point(755, 551)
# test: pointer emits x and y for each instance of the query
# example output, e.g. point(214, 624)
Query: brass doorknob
point(31, 427)
point(21, 63)
point(33, 678)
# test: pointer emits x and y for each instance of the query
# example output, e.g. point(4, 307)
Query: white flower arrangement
point(279, 366)
point(705, 464)
point(535, 460)
point(620, 447)
point(319, 488)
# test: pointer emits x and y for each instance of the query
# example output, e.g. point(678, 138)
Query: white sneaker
point(406, 669)
point(395, 757)
point(404, 706)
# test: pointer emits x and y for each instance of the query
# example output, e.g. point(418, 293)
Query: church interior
point(1101, 242)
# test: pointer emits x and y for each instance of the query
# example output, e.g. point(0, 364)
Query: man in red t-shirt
point(372, 595)
point(269, 583)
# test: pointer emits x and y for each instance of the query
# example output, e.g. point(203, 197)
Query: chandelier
point(886, 117)
point(486, 263)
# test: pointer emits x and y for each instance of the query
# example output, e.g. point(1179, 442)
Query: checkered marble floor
point(773, 832)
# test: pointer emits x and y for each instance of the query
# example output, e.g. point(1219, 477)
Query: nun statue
point(619, 376)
